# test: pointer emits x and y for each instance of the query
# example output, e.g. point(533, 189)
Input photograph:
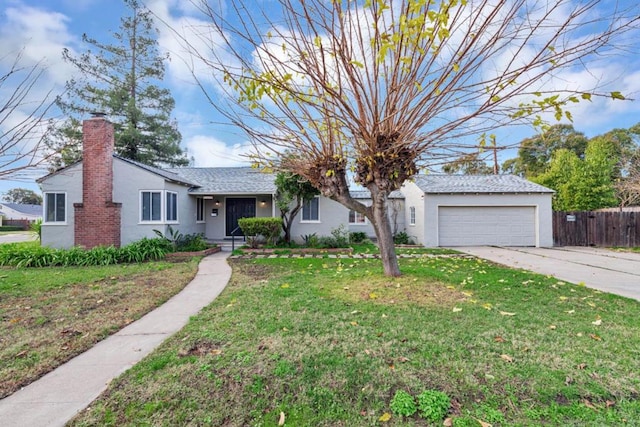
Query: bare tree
point(380, 89)
point(23, 122)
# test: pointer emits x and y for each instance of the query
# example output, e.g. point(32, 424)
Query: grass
point(49, 315)
point(329, 342)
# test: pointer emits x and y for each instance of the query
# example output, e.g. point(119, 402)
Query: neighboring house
point(109, 200)
point(18, 211)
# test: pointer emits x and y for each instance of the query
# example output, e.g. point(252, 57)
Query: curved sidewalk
point(58, 396)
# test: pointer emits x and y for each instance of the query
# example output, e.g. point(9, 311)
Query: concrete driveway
point(602, 269)
point(24, 236)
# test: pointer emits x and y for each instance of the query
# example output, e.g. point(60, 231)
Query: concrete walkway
point(602, 269)
point(58, 396)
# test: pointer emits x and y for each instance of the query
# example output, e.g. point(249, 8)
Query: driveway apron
point(605, 270)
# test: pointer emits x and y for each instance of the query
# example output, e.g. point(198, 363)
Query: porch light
point(217, 202)
point(263, 202)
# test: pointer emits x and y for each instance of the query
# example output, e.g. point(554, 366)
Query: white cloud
point(208, 151)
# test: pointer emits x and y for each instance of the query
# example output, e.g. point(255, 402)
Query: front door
point(236, 209)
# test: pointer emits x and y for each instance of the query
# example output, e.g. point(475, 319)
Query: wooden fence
point(596, 229)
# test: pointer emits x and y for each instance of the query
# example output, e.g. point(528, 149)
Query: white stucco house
point(109, 200)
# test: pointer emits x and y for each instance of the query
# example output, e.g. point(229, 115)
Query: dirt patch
point(41, 331)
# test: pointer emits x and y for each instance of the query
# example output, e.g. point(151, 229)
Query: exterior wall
point(331, 215)
point(414, 197)
point(541, 202)
point(68, 181)
point(129, 181)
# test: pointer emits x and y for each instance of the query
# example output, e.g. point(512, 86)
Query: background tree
point(534, 154)
point(380, 88)
point(22, 196)
point(122, 80)
point(468, 164)
point(292, 192)
point(23, 122)
point(582, 184)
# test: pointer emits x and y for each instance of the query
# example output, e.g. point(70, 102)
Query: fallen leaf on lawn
point(355, 312)
point(467, 293)
point(402, 359)
point(595, 337)
point(562, 298)
point(610, 403)
point(498, 338)
point(581, 366)
point(570, 311)
point(506, 358)
point(486, 306)
point(597, 322)
point(552, 327)
point(385, 417)
point(591, 304)
point(589, 405)
point(373, 295)
point(215, 352)
point(100, 301)
point(346, 288)
point(285, 286)
point(483, 423)
point(354, 323)
point(448, 422)
point(456, 309)
point(451, 287)
point(281, 420)
point(506, 313)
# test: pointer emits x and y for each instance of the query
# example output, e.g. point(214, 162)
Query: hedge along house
point(109, 200)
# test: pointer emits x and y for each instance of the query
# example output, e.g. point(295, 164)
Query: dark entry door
point(236, 209)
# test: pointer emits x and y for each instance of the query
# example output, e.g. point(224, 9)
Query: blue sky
point(44, 27)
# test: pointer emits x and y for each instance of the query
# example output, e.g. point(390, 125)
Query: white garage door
point(486, 225)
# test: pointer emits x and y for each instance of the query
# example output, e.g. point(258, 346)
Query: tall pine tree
point(121, 80)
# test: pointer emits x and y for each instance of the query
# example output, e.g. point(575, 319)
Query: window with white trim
point(311, 210)
point(412, 215)
point(356, 218)
point(199, 209)
point(172, 206)
point(55, 207)
point(151, 206)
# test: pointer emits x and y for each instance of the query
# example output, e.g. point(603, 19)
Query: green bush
point(310, 240)
point(433, 405)
point(16, 255)
point(10, 228)
point(357, 237)
point(192, 243)
point(36, 227)
point(267, 227)
point(403, 404)
point(341, 236)
point(402, 238)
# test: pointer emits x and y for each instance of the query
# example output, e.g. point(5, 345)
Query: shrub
point(16, 255)
point(403, 404)
point(192, 243)
point(433, 405)
point(341, 236)
point(402, 238)
point(327, 242)
point(36, 227)
point(10, 228)
point(357, 237)
point(267, 227)
point(310, 240)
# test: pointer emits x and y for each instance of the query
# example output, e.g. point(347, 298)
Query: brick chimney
point(97, 218)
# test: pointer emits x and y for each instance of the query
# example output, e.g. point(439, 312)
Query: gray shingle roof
point(165, 173)
point(34, 210)
point(445, 184)
point(366, 194)
point(238, 180)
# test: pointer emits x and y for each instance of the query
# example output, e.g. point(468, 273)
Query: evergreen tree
point(121, 80)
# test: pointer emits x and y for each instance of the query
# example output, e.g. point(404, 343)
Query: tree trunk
point(382, 227)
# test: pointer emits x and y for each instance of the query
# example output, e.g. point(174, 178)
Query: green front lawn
point(327, 342)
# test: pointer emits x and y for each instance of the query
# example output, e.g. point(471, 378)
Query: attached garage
point(486, 225)
point(468, 210)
